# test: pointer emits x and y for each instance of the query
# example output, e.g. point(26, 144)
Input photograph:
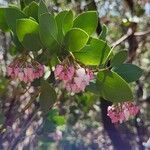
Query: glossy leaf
point(75, 39)
point(32, 10)
point(48, 31)
point(103, 33)
point(47, 97)
point(129, 72)
point(18, 44)
point(119, 58)
point(87, 21)
point(13, 14)
point(112, 87)
point(67, 22)
point(27, 2)
point(93, 54)
point(59, 19)
point(27, 31)
point(42, 8)
point(93, 87)
point(3, 23)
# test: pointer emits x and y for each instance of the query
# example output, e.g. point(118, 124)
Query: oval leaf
point(67, 22)
point(27, 31)
point(75, 39)
point(3, 23)
point(47, 97)
point(13, 14)
point(42, 8)
point(103, 33)
point(112, 87)
point(32, 10)
point(129, 72)
point(87, 21)
point(48, 30)
point(93, 54)
point(119, 58)
point(59, 19)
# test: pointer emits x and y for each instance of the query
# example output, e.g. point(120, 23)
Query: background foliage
point(82, 118)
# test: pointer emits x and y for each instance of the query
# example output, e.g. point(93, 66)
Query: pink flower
point(25, 71)
point(58, 70)
point(74, 81)
point(63, 73)
point(9, 71)
point(21, 76)
point(30, 74)
point(122, 111)
point(90, 73)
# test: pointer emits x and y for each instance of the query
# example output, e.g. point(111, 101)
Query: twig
point(126, 36)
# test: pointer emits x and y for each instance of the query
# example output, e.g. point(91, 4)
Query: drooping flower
point(63, 73)
point(74, 80)
point(24, 70)
point(122, 111)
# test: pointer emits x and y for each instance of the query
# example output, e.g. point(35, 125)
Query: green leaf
point(75, 39)
point(42, 8)
point(48, 31)
point(59, 19)
point(32, 10)
point(93, 87)
point(12, 50)
point(119, 58)
point(52, 113)
point(103, 33)
point(87, 21)
point(27, 2)
point(27, 31)
point(19, 46)
point(112, 87)
point(3, 24)
point(129, 72)
point(47, 97)
point(59, 120)
point(13, 14)
point(67, 22)
point(93, 54)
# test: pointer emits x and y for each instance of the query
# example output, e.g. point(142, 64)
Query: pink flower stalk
point(122, 111)
point(25, 71)
point(63, 73)
point(74, 80)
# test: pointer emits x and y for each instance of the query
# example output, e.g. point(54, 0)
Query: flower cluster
point(122, 111)
point(74, 80)
point(24, 70)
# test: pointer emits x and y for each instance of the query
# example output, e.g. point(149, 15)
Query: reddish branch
point(126, 36)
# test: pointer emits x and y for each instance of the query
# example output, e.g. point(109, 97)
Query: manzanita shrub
point(61, 53)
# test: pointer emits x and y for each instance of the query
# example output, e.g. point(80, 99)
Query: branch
point(126, 36)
